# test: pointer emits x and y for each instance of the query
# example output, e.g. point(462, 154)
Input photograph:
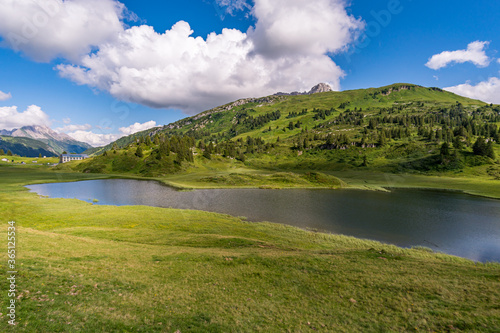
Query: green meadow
point(95, 268)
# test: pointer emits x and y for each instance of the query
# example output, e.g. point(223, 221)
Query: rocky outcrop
point(319, 88)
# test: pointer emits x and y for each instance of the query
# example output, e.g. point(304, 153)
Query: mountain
point(57, 142)
point(25, 146)
point(393, 129)
point(226, 121)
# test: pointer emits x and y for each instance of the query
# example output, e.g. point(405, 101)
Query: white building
point(72, 157)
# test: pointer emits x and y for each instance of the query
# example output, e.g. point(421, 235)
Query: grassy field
point(93, 268)
point(28, 160)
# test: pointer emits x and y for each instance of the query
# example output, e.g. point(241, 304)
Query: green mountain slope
point(25, 146)
point(122, 142)
point(401, 128)
point(221, 119)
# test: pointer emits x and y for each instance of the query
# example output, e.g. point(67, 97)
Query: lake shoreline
point(260, 206)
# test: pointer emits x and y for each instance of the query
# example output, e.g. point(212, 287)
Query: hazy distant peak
point(58, 142)
point(38, 132)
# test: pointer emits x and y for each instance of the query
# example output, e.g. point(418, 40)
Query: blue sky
point(100, 69)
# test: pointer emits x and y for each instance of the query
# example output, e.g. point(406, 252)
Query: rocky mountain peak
point(57, 142)
point(320, 88)
point(38, 132)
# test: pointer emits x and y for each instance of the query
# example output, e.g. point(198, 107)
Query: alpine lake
point(448, 222)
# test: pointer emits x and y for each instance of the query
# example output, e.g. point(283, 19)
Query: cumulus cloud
point(486, 91)
point(45, 29)
point(232, 6)
point(11, 118)
point(4, 96)
point(94, 139)
point(176, 70)
point(137, 127)
point(82, 133)
point(474, 53)
point(287, 50)
point(302, 27)
point(73, 128)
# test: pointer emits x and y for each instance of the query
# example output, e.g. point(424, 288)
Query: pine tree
point(445, 149)
point(139, 153)
point(206, 154)
point(457, 143)
point(365, 161)
point(479, 147)
point(381, 139)
point(489, 151)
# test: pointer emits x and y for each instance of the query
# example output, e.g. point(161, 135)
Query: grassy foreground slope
point(94, 268)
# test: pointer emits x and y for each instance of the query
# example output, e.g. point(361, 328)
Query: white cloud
point(302, 27)
point(73, 128)
point(498, 60)
point(45, 29)
point(94, 139)
point(232, 6)
point(137, 127)
point(175, 70)
point(10, 118)
point(287, 50)
point(4, 96)
point(475, 53)
point(100, 139)
point(486, 91)
point(67, 120)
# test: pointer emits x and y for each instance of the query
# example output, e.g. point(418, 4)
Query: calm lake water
point(453, 223)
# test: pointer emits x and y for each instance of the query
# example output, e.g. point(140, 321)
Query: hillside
point(25, 147)
point(57, 142)
point(401, 128)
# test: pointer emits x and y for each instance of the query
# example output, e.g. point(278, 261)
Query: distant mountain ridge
point(25, 146)
point(56, 142)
